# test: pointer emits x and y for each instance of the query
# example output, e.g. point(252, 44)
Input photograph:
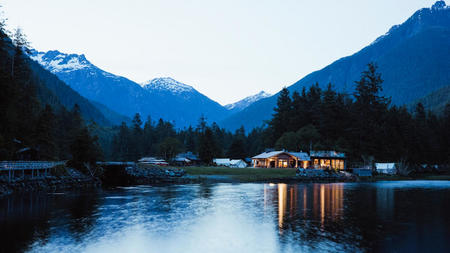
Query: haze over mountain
point(413, 58)
point(163, 98)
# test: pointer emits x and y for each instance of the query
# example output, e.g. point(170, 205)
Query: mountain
point(246, 102)
point(92, 82)
point(413, 58)
point(51, 90)
point(167, 84)
point(182, 103)
point(159, 98)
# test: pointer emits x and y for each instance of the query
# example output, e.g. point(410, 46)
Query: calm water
point(352, 217)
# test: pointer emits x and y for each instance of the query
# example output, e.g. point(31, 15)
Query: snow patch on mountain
point(244, 103)
point(56, 61)
point(61, 63)
point(167, 84)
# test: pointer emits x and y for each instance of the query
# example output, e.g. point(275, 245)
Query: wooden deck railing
point(28, 165)
point(33, 166)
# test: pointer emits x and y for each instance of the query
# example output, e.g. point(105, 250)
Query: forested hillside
point(366, 127)
point(35, 122)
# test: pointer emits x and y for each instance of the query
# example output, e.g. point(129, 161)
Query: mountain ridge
point(163, 98)
point(412, 58)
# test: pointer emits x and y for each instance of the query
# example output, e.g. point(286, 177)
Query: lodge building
point(313, 160)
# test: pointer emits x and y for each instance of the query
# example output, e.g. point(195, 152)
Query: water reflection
point(232, 218)
point(319, 201)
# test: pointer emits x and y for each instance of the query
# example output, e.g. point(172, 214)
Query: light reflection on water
point(386, 216)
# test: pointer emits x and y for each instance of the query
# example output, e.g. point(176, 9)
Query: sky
point(225, 49)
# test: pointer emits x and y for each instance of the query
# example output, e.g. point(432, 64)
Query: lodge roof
point(300, 155)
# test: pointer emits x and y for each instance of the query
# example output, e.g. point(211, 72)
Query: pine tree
point(121, 144)
point(44, 136)
point(169, 148)
point(368, 90)
point(24, 90)
point(207, 146)
point(283, 111)
point(77, 121)
point(136, 138)
point(85, 150)
point(190, 140)
point(308, 137)
point(313, 103)
point(370, 108)
point(289, 141)
point(149, 138)
point(329, 117)
point(299, 115)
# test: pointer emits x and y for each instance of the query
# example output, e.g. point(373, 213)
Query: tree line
point(364, 124)
point(161, 139)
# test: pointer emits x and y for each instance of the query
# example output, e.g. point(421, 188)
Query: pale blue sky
point(226, 49)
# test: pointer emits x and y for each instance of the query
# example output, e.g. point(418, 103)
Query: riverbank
point(64, 179)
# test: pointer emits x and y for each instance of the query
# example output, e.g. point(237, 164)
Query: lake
point(401, 216)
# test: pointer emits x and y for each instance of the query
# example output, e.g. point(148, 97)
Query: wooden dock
point(37, 168)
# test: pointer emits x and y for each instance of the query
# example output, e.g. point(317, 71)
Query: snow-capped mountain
point(246, 102)
point(55, 61)
point(167, 84)
point(163, 98)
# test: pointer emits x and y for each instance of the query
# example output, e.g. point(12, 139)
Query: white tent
point(238, 163)
point(386, 168)
point(222, 161)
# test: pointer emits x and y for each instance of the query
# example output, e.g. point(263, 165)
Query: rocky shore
point(48, 184)
point(324, 176)
point(156, 175)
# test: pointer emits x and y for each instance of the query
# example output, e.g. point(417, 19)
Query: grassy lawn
point(239, 171)
point(243, 174)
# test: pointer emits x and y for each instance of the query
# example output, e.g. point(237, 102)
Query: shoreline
point(207, 178)
point(53, 184)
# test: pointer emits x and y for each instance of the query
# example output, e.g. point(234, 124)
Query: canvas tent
point(386, 168)
point(238, 163)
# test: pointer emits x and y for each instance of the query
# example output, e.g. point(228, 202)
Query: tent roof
point(236, 161)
